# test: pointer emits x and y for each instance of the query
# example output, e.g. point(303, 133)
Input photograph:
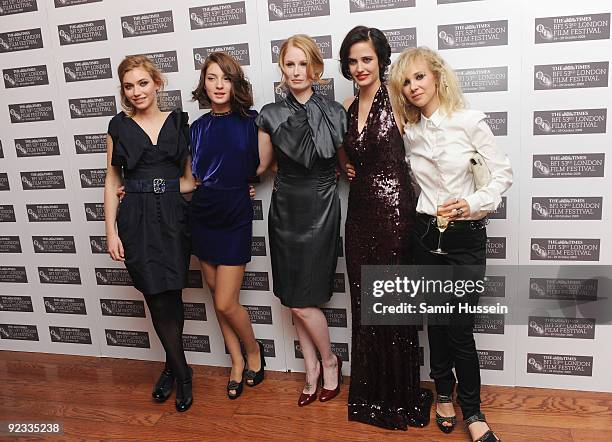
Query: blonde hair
point(447, 84)
point(133, 62)
point(313, 56)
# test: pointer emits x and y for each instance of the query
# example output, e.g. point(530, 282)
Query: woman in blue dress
point(225, 154)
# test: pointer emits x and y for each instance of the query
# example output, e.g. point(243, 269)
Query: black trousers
point(451, 337)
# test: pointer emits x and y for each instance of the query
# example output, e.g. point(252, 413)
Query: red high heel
point(306, 398)
point(328, 395)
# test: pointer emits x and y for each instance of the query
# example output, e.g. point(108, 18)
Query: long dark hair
point(379, 42)
point(241, 98)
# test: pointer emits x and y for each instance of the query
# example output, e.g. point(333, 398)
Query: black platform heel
point(184, 393)
point(489, 435)
point(255, 377)
point(236, 386)
point(441, 420)
point(163, 387)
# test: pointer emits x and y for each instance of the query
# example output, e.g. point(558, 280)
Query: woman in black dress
point(305, 131)
point(385, 379)
point(148, 153)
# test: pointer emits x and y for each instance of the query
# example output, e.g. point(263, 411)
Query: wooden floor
point(108, 399)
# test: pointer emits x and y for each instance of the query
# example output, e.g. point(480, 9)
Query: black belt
point(155, 185)
point(461, 224)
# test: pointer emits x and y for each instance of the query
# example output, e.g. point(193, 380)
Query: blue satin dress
point(225, 155)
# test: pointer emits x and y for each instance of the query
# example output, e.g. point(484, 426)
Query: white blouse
point(439, 149)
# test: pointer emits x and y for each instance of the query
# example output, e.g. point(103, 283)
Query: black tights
point(168, 318)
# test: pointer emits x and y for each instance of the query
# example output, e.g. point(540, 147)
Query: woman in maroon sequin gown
point(385, 376)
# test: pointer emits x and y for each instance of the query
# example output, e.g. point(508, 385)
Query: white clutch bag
point(480, 171)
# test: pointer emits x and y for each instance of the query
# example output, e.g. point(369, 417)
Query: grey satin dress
point(304, 217)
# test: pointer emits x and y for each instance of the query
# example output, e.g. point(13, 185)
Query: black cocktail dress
point(153, 227)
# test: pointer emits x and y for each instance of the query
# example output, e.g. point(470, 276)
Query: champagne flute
point(441, 223)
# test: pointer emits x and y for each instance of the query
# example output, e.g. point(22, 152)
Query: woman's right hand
point(115, 247)
point(350, 171)
point(120, 192)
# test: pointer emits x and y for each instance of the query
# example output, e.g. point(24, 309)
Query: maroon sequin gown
point(385, 380)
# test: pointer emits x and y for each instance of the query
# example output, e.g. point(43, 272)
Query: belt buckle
point(159, 185)
point(479, 224)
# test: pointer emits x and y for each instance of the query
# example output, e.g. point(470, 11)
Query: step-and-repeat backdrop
point(540, 70)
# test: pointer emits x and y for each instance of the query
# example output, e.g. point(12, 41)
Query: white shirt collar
point(436, 119)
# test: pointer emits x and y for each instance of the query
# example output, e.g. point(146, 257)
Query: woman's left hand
point(455, 208)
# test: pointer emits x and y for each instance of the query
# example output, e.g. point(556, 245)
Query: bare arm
point(343, 159)
point(398, 119)
point(112, 183)
point(187, 182)
point(266, 152)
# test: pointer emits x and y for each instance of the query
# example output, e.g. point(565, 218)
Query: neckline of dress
point(220, 114)
point(360, 132)
point(160, 129)
point(291, 97)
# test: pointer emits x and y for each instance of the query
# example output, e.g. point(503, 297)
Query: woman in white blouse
point(441, 138)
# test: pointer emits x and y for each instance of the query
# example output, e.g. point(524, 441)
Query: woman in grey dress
point(304, 132)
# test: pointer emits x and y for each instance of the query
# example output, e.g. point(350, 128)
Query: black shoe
point(163, 386)
point(255, 377)
point(441, 420)
point(184, 395)
point(488, 436)
point(236, 386)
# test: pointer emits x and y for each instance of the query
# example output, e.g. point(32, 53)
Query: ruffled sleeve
point(263, 120)
point(128, 147)
point(113, 127)
point(180, 150)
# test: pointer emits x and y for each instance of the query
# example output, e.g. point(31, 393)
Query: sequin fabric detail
point(385, 376)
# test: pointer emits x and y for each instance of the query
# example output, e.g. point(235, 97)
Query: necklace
point(220, 114)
